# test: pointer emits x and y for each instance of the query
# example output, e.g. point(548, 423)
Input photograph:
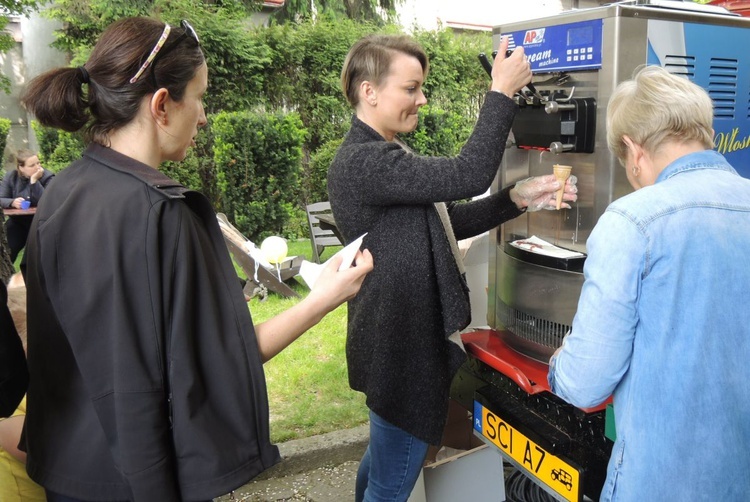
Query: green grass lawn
point(308, 389)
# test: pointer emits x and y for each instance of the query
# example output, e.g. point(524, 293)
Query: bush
point(440, 132)
point(186, 172)
point(296, 226)
point(237, 63)
point(457, 82)
point(6, 266)
point(316, 184)
point(305, 73)
point(257, 159)
point(4, 131)
point(197, 171)
point(57, 149)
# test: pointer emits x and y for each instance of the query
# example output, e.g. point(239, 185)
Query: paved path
point(316, 469)
point(325, 484)
point(324, 469)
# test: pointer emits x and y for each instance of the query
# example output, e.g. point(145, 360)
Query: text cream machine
point(577, 58)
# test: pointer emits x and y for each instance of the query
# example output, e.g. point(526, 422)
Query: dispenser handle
point(557, 147)
point(488, 68)
point(529, 86)
point(555, 107)
point(485, 63)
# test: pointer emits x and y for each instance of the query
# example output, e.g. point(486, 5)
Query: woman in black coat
point(146, 376)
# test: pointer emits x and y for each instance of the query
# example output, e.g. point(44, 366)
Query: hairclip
point(154, 52)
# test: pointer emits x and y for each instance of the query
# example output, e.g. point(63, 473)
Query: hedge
point(4, 131)
point(257, 159)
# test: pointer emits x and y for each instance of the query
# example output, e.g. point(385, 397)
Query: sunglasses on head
point(157, 52)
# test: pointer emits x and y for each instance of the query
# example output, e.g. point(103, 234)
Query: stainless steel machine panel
point(578, 58)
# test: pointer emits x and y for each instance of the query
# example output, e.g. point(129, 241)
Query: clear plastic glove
point(539, 192)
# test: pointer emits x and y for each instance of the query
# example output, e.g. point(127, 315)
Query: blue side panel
point(717, 59)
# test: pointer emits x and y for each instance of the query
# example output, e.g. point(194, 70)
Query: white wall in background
point(431, 14)
point(31, 56)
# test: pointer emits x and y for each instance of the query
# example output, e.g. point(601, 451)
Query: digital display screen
point(583, 35)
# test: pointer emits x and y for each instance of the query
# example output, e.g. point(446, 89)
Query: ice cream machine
point(577, 59)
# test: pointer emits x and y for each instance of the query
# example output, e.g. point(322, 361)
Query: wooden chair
point(323, 231)
point(260, 279)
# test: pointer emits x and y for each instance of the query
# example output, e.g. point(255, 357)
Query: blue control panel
point(565, 47)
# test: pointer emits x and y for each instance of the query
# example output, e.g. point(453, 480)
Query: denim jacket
point(663, 325)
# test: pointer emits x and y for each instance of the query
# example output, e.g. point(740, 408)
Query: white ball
point(274, 249)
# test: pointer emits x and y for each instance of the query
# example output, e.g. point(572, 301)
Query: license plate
point(551, 471)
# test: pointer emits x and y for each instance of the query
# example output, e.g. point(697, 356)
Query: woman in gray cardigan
point(398, 348)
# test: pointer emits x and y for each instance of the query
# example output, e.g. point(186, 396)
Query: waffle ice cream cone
point(562, 173)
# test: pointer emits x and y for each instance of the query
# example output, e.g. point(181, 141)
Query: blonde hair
point(657, 107)
point(370, 59)
point(22, 156)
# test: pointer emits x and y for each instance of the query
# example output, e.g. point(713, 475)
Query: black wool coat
point(397, 349)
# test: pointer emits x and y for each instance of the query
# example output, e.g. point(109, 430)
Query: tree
point(236, 61)
point(15, 7)
point(9, 8)
point(308, 81)
point(378, 11)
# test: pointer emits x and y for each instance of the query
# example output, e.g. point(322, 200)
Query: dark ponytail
point(112, 101)
point(56, 99)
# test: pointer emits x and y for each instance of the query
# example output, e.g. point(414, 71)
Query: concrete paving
point(326, 484)
point(324, 469)
point(316, 469)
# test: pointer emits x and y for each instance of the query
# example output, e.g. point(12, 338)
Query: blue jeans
point(391, 464)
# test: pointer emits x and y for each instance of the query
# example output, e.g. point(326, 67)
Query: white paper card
point(540, 246)
point(310, 271)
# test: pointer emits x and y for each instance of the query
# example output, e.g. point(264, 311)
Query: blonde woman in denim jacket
point(660, 322)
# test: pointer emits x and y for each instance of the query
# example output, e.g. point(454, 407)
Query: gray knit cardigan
point(397, 349)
